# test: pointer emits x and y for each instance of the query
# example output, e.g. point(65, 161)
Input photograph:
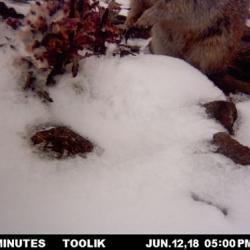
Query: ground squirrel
point(205, 33)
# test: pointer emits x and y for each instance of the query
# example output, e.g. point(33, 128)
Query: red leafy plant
point(58, 33)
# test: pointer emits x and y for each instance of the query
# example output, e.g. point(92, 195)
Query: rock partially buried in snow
point(223, 111)
point(61, 142)
point(231, 148)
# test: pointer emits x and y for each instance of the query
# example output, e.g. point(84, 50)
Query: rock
point(231, 148)
point(224, 112)
point(61, 142)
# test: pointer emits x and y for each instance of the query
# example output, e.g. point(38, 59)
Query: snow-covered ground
point(153, 153)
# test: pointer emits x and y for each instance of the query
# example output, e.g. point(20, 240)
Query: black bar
point(66, 241)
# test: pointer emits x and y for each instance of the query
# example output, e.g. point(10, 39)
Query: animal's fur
point(205, 33)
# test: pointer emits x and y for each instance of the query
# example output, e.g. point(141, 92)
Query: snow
point(21, 7)
point(152, 154)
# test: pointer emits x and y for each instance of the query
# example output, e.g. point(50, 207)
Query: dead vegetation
point(60, 142)
point(231, 148)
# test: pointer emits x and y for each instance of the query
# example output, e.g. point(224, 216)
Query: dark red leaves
point(62, 28)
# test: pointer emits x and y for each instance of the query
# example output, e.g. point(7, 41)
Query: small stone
point(224, 112)
point(231, 148)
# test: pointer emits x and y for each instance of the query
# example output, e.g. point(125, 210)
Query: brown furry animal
point(205, 33)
